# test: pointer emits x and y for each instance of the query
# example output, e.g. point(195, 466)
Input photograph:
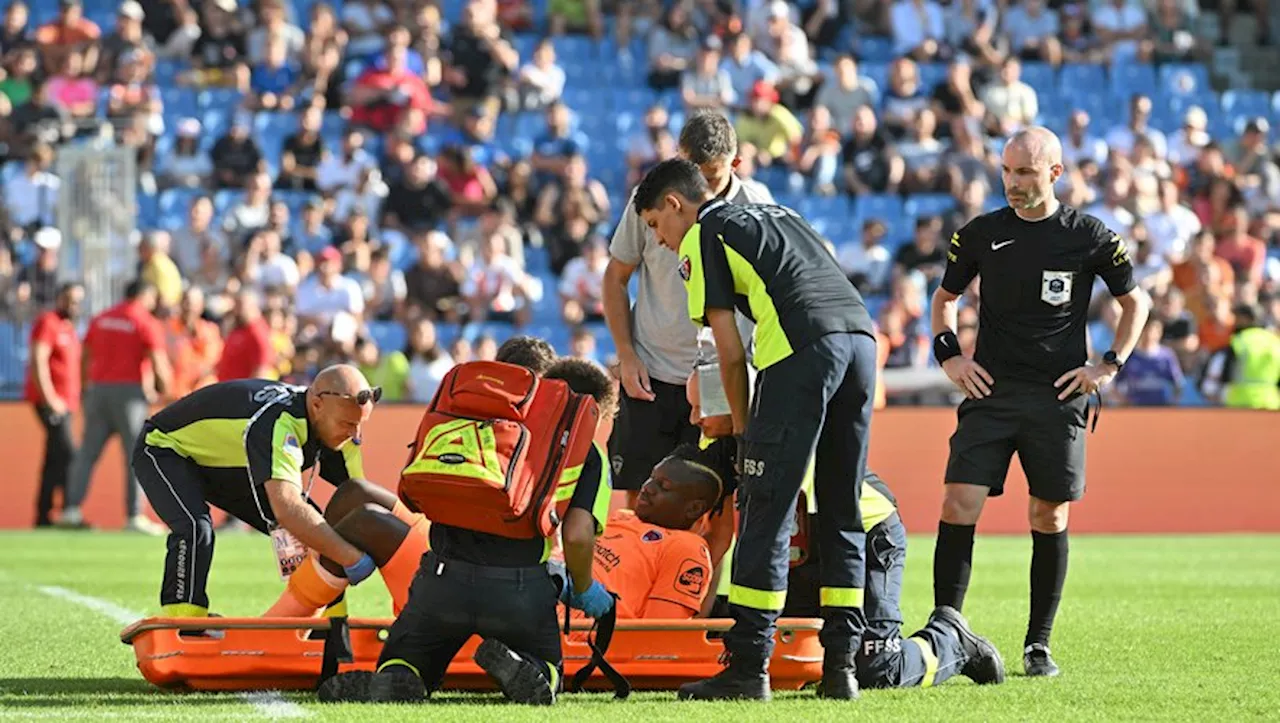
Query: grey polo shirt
point(666, 341)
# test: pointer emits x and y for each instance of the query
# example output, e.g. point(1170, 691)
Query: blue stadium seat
point(176, 201)
point(1074, 78)
point(932, 75)
point(1130, 78)
point(874, 49)
point(1184, 78)
point(1041, 77)
point(878, 72)
point(880, 206)
point(1241, 102)
point(180, 102)
point(929, 204)
point(388, 335)
point(224, 99)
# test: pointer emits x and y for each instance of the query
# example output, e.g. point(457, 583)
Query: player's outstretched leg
point(982, 661)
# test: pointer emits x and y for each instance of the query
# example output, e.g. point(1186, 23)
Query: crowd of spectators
point(316, 175)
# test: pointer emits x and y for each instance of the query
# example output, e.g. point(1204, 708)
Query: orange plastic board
point(241, 654)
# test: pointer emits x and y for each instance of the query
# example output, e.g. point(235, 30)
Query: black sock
point(1048, 573)
point(952, 555)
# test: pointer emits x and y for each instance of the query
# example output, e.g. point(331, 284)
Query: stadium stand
point(459, 164)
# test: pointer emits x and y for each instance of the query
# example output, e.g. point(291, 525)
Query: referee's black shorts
point(647, 431)
point(1047, 434)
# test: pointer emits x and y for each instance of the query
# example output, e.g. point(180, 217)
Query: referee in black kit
point(1028, 384)
point(816, 356)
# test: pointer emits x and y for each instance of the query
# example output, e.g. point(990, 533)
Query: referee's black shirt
point(1036, 279)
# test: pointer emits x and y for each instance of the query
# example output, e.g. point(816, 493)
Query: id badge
point(711, 397)
point(290, 552)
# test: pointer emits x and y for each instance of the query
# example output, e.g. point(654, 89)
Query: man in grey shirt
point(657, 345)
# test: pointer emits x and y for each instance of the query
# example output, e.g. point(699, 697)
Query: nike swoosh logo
point(997, 246)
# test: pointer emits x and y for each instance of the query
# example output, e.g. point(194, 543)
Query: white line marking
point(268, 703)
point(98, 605)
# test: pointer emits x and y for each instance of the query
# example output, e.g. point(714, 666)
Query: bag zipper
point(557, 452)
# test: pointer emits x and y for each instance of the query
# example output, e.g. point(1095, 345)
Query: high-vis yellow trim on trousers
point(757, 599)
point(840, 597)
point(930, 661)
point(184, 610)
point(402, 662)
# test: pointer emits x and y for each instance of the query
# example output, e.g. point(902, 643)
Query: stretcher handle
point(196, 624)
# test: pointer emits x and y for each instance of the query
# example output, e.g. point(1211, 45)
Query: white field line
point(268, 704)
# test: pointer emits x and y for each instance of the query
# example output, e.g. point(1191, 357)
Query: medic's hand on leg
point(308, 525)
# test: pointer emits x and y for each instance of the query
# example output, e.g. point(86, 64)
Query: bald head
point(1039, 142)
point(1032, 163)
point(340, 379)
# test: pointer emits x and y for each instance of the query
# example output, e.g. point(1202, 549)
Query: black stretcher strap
point(337, 648)
point(598, 640)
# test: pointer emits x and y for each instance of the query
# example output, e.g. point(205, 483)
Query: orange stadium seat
point(245, 654)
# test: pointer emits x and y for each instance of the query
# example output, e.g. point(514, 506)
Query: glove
point(595, 601)
point(363, 568)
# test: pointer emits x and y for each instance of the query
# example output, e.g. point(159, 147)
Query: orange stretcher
point(245, 654)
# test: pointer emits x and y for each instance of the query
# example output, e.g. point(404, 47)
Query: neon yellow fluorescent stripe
point(840, 597)
point(696, 285)
point(604, 490)
point(772, 345)
point(184, 610)
point(757, 599)
point(399, 661)
point(930, 661)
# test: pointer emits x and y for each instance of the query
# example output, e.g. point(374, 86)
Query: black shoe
point(1038, 663)
point(352, 687)
point(521, 680)
point(396, 684)
point(985, 666)
point(732, 683)
point(839, 679)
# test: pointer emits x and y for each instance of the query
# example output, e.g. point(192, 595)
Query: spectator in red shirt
point(247, 352)
point(53, 388)
point(123, 356)
point(381, 96)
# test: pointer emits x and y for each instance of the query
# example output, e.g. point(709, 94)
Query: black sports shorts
point(1047, 434)
point(646, 432)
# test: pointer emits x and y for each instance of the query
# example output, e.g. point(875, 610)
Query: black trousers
point(180, 494)
point(815, 404)
point(452, 600)
point(59, 453)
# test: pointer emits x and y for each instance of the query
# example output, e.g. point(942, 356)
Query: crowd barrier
point(1149, 470)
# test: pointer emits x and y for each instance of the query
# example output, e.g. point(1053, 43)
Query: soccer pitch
point(1151, 628)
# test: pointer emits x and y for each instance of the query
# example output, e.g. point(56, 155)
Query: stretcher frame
point(249, 654)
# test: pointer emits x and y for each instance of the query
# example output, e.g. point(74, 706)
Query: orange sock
point(310, 588)
point(398, 573)
point(405, 515)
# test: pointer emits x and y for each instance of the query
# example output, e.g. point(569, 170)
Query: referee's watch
point(1112, 358)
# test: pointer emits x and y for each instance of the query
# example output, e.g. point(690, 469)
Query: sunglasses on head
point(363, 397)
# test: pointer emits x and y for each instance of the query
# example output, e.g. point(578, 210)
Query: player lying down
point(946, 646)
point(648, 557)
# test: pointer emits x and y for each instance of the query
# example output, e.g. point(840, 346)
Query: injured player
point(647, 557)
point(944, 647)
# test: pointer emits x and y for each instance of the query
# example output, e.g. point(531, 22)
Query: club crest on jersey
point(686, 268)
point(651, 536)
point(1055, 287)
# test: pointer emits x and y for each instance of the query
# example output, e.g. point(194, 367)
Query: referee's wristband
point(945, 346)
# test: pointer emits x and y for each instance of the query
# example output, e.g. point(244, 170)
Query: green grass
point(1151, 628)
